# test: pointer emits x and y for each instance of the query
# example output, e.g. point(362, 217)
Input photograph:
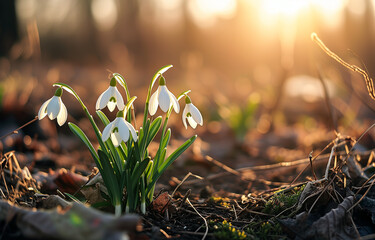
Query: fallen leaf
point(335, 224)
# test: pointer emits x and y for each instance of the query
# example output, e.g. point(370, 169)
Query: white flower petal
point(107, 132)
point(196, 114)
point(164, 99)
point(184, 113)
point(43, 109)
point(53, 107)
point(174, 101)
point(123, 130)
point(119, 99)
point(153, 106)
point(97, 105)
point(116, 139)
point(132, 131)
point(111, 103)
point(103, 99)
point(111, 106)
point(192, 123)
point(63, 115)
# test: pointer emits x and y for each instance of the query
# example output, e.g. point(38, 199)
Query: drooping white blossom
point(163, 98)
point(54, 108)
point(110, 98)
point(119, 130)
point(192, 114)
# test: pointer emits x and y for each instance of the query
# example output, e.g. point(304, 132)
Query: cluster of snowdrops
point(122, 157)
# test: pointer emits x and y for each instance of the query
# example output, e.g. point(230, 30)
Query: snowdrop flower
point(119, 130)
point(110, 98)
point(192, 114)
point(164, 98)
point(54, 108)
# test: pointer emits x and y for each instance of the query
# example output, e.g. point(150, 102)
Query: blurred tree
point(8, 26)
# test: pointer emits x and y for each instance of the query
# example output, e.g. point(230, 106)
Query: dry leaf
point(335, 224)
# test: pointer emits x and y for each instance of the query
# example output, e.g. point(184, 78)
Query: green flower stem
point(143, 196)
point(118, 210)
point(115, 197)
point(89, 116)
point(158, 160)
point(122, 81)
point(154, 78)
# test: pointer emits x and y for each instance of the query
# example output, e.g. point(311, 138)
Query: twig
point(364, 184)
point(312, 168)
point(321, 193)
point(285, 210)
point(223, 166)
point(235, 213)
point(368, 237)
point(16, 130)
point(183, 180)
point(313, 159)
point(333, 149)
point(205, 221)
point(363, 196)
point(370, 159)
point(368, 80)
point(165, 233)
point(187, 194)
point(238, 205)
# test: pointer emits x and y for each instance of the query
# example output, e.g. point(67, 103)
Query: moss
point(265, 230)
point(282, 201)
point(224, 202)
point(224, 230)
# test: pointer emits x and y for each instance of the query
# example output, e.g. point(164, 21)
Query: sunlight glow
point(168, 12)
point(295, 7)
point(206, 12)
point(105, 13)
point(293, 12)
point(282, 7)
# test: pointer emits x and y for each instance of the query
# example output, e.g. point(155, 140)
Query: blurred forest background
point(251, 64)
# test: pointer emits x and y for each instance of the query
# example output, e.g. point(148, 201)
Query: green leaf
point(162, 156)
point(73, 198)
point(81, 135)
point(154, 129)
point(129, 104)
point(170, 160)
point(101, 204)
point(166, 139)
point(115, 159)
point(177, 152)
point(110, 179)
point(138, 170)
point(148, 170)
point(103, 117)
point(143, 140)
